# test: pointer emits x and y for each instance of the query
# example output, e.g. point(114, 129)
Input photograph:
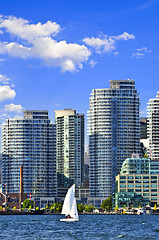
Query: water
point(49, 227)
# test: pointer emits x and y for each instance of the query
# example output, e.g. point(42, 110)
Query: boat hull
point(69, 219)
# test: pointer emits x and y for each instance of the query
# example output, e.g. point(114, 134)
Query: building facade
point(143, 128)
point(114, 133)
point(145, 185)
point(136, 165)
point(29, 142)
point(153, 130)
point(70, 147)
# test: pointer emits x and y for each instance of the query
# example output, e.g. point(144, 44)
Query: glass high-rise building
point(153, 128)
point(30, 142)
point(114, 133)
point(69, 147)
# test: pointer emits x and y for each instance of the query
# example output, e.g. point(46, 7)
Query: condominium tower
point(114, 133)
point(70, 147)
point(29, 142)
point(153, 128)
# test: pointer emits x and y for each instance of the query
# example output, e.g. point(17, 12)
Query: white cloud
point(144, 49)
point(24, 30)
point(106, 43)
point(6, 93)
point(39, 43)
point(13, 108)
point(125, 36)
point(4, 79)
point(93, 63)
point(141, 52)
point(116, 53)
point(2, 59)
point(138, 55)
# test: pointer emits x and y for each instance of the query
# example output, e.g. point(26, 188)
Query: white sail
point(68, 202)
point(74, 213)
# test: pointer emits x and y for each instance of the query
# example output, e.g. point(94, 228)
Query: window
point(130, 185)
point(137, 177)
point(138, 190)
point(153, 177)
point(154, 198)
point(122, 177)
point(130, 177)
point(130, 190)
point(145, 177)
point(145, 194)
point(146, 190)
point(122, 181)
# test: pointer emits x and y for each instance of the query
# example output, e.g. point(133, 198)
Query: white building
point(29, 142)
point(114, 133)
point(153, 128)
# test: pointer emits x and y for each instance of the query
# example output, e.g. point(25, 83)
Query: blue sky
point(53, 53)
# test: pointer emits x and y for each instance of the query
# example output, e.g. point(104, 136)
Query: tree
point(56, 207)
point(28, 203)
point(107, 203)
point(80, 207)
point(145, 156)
point(89, 208)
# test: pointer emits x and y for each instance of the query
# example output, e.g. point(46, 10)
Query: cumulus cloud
point(27, 31)
point(141, 52)
point(13, 108)
point(6, 93)
point(38, 42)
point(106, 43)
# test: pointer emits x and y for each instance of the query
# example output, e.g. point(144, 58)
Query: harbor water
point(49, 227)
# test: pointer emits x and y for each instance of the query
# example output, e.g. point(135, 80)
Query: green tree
point(28, 203)
point(56, 207)
point(107, 203)
point(145, 156)
point(89, 208)
point(80, 207)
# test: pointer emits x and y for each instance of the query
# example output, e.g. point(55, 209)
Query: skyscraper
point(153, 128)
point(30, 142)
point(114, 133)
point(70, 147)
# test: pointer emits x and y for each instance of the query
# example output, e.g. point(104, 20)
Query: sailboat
point(69, 207)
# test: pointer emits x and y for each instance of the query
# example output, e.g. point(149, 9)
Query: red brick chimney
point(21, 179)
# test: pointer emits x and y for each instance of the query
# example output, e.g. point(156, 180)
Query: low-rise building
point(11, 200)
point(145, 185)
